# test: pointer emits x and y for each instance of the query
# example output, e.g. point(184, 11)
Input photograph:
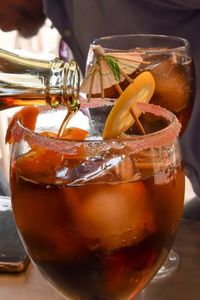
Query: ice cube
point(126, 169)
point(113, 216)
point(172, 85)
point(94, 170)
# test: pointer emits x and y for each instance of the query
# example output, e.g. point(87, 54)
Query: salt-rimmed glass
point(97, 217)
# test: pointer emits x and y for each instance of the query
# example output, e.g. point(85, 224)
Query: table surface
point(184, 284)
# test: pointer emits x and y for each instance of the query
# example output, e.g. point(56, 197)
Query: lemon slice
point(120, 119)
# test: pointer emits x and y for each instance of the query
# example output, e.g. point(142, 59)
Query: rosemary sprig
point(113, 64)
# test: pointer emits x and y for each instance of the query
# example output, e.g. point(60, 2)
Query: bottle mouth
point(62, 86)
point(135, 143)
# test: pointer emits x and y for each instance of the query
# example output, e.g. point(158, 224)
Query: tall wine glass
point(97, 216)
point(169, 59)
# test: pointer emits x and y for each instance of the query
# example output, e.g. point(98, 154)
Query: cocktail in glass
point(97, 216)
point(169, 60)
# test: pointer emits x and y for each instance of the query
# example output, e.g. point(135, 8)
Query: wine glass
point(97, 216)
point(169, 60)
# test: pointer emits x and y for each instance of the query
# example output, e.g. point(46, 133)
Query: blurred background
point(45, 42)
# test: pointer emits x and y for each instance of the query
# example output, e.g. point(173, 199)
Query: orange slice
point(28, 116)
point(75, 133)
point(120, 119)
point(38, 163)
point(71, 133)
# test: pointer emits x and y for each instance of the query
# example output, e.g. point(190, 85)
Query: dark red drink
point(100, 239)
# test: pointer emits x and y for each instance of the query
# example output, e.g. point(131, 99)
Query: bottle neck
point(53, 81)
point(63, 81)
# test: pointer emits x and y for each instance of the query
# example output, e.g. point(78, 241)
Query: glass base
point(169, 267)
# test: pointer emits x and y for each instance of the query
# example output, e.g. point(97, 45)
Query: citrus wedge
point(120, 119)
point(28, 116)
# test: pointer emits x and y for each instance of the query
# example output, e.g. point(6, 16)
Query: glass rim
point(185, 42)
point(157, 139)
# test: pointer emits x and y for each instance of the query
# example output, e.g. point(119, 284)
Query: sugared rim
point(140, 35)
point(135, 143)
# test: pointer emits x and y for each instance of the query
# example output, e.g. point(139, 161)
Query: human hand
point(25, 16)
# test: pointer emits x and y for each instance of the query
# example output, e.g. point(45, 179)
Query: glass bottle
point(32, 81)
